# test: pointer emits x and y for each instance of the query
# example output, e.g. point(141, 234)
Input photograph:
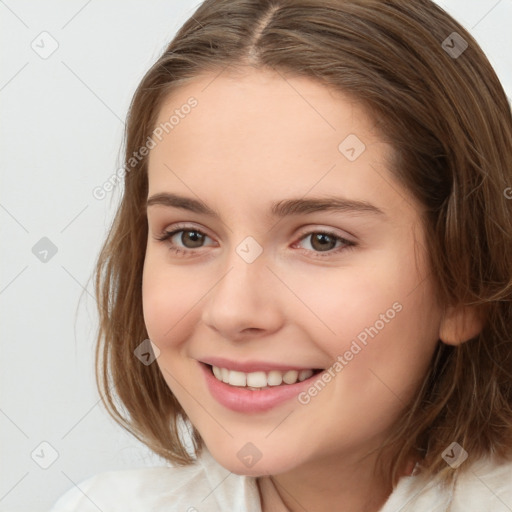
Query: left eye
point(323, 241)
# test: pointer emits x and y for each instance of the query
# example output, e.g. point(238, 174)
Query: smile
point(260, 380)
point(255, 391)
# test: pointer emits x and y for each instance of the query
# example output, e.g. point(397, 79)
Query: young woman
point(310, 269)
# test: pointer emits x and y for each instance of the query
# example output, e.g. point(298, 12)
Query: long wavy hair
point(442, 108)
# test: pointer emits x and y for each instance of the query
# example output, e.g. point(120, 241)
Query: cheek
point(168, 300)
point(340, 305)
point(388, 353)
point(370, 314)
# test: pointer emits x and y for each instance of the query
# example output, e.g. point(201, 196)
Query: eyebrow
point(282, 208)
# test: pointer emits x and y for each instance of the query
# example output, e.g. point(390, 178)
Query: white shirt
point(208, 487)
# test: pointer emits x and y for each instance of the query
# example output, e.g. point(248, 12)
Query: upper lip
point(252, 366)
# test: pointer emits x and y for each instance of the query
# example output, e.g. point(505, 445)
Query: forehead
point(260, 114)
point(261, 134)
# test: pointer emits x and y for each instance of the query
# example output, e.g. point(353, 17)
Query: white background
point(61, 131)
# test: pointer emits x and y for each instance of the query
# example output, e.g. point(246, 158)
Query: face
point(293, 251)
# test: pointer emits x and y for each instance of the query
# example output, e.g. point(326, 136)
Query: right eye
point(189, 237)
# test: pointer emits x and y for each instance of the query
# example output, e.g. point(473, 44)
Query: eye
point(184, 239)
point(325, 242)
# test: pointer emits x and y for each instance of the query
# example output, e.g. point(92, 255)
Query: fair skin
point(251, 141)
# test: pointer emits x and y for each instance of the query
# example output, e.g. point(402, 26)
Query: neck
point(325, 487)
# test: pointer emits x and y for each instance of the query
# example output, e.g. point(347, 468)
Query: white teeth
point(237, 378)
point(274, 378)
point(290, 377)
point(260, 380)
point(305, 374)
point(256, 379)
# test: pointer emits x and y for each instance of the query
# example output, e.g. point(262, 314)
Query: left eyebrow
point(299, 206)
point(312, 205)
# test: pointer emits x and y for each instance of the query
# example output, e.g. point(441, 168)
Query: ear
point(460, 324)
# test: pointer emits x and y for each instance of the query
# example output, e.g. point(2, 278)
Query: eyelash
point(347, 244)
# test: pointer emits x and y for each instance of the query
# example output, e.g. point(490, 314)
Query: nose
point(240, 304)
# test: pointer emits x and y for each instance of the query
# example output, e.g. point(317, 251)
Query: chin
point(273, 465)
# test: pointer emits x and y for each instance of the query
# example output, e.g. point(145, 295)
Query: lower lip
point(247, 401)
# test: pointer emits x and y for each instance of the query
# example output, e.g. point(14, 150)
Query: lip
point(249, 401)
point(251, 366)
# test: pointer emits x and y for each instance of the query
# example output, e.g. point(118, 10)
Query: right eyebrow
point(185, 203)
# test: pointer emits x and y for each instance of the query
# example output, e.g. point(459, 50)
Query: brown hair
point(449, 121)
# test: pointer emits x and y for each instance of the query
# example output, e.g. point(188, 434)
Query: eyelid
point(168, 233)
point(184, 226)
point(302, 233)
point(344, 235)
